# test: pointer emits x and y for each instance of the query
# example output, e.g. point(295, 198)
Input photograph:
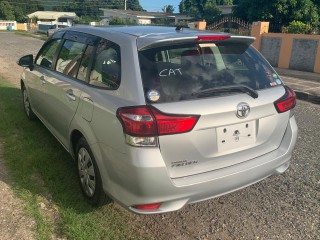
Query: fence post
point(259, 28)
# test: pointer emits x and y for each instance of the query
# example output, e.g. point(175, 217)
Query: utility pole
point(125, 4)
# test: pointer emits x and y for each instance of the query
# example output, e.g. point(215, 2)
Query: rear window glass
point(177, 73)
point(106, 70)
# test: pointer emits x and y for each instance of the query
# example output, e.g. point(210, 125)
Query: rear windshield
point(176, 73)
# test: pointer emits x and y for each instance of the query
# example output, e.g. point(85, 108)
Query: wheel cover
point(26, 102)
point(86, 172)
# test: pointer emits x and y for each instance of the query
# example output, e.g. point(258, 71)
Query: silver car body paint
point(183, 168)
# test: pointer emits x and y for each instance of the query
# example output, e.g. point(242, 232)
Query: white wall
point(4, 24)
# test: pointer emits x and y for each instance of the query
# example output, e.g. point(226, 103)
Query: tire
point(26, 104)
point(89, 175)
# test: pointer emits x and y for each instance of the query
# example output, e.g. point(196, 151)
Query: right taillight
point(287, 101)
point(143, 124)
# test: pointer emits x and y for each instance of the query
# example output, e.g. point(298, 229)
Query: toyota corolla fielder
point(159, 117)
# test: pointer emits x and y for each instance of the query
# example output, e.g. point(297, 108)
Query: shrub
point(299, 27)
point(119, 21)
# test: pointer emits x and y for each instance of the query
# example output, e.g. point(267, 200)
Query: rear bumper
point(142, 177)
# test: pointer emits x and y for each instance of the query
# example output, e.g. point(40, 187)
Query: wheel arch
point(75, 136)
point(22, 84)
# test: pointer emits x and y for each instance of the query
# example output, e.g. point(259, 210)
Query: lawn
point(41, 36)
point(45, 179)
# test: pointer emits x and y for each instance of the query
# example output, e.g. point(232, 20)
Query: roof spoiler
point(152, 41)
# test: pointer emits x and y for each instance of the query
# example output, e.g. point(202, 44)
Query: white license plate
point(236, 136)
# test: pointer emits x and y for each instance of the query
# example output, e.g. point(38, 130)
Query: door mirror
point(26, 61)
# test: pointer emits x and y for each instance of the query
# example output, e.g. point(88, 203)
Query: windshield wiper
point(230, 88)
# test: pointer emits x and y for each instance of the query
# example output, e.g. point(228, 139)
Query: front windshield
point(175, 73)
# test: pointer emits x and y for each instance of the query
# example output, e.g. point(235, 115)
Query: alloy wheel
point(86, 172)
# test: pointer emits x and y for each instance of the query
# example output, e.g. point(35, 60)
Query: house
point(141, 17)
point(47, 18)
point(226, 9)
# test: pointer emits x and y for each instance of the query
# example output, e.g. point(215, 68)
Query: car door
point(36, 78)
point(62, 88)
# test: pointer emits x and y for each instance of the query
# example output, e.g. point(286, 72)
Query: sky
point(157, 5)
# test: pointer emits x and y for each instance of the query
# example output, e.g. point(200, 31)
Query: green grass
point(30, 34)
point(42, 170)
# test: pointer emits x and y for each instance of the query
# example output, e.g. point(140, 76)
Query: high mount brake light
point(286, 102)
point(143, 124)
point(212, 38)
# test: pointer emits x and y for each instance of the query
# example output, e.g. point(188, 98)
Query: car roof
point(151, 35)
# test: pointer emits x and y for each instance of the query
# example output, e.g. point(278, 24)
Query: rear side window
point(106, 71)
point(47, 53)
point(70, 57)
point(175, 73)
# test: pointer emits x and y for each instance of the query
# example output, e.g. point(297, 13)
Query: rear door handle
point(70, 95)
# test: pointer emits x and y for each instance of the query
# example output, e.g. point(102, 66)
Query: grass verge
point(44, 172)
point(33, 35)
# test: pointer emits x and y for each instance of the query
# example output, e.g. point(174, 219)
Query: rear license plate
point(236, 136)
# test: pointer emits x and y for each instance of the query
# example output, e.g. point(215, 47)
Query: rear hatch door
point(233, 89)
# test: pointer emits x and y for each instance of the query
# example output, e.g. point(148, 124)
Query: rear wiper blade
point(230, 88)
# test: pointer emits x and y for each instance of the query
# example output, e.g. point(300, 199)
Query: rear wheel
point(26, 104)
point(89, 175)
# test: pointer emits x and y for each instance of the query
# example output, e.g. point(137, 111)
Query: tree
point(317, 2)
point(281, 12)
point(168, 9)
point(133, 5)
point(224, 2)
point(200, 9)
point(19, 14)
point(6, 11)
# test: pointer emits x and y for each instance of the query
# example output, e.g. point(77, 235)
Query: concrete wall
point(4, 24)
point(22, 27)
point(270, 49)
point(294, 51)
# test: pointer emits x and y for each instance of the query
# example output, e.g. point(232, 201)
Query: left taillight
point(143, 124)
point(286, 102)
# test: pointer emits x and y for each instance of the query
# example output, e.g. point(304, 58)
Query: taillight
point(143, 124)
point(286, 102)
point(212, 38)
point(138, 121)
point(173, 124)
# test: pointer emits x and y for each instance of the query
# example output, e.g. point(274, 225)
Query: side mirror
point(26, 61)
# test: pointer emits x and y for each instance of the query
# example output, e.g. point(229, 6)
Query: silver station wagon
point(158, 117)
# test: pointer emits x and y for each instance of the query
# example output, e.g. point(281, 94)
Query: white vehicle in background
point(54, 28)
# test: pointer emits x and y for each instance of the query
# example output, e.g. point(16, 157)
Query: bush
point(299, 27)
point(119, 21)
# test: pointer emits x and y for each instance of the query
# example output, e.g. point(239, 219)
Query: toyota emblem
point(243, 110)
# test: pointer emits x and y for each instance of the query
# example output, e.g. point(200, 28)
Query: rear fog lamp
point(148, 207)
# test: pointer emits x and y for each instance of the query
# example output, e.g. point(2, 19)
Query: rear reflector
point(151, 206)
point(212, 38)
point(286, 102)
